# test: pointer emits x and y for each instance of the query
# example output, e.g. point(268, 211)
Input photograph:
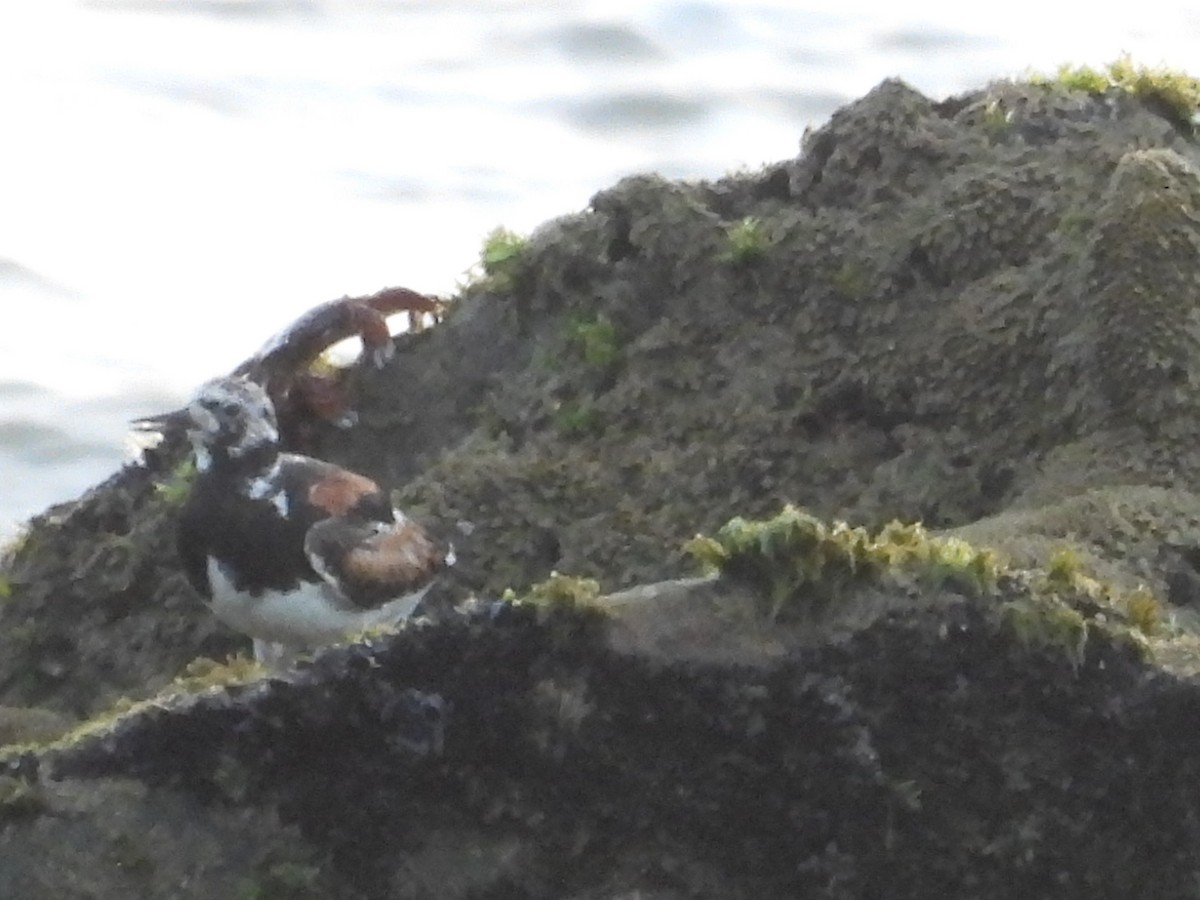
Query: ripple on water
point(233, 9)
point(604, 42)
point(21, 390)
point(635, 111)
point(927, 39)
point(40, 444)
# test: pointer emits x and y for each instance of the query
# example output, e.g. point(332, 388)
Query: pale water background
point(180, 178)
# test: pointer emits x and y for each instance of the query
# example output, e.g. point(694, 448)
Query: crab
point(305, 393)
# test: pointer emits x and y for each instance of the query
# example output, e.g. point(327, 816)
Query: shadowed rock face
point(978, 313)
point(929, 750)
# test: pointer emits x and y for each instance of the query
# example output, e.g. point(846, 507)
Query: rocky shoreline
point(978, 313)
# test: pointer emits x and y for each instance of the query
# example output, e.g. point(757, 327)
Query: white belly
point(309, 616)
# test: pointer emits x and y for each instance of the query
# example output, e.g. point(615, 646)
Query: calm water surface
point(181, 178)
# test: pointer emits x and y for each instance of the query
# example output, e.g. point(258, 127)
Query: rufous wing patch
point(370, 563)
point(339, 492)
point(402, 557)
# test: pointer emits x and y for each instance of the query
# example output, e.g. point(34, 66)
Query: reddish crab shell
point(283, 365)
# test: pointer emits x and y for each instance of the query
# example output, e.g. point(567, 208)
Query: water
point(181, 178)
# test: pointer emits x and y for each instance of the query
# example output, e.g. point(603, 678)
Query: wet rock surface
point(977, 313)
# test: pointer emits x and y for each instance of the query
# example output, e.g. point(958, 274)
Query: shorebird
point(290, 550)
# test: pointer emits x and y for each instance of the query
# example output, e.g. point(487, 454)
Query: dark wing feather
point(193, 550)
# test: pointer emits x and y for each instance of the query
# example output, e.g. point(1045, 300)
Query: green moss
point(203, 673)
point(1064, 570)
point(1065, 578)
point(1046, 625)
point(850, 282)
point(97, 724)
point(175, 488)
point(596, 340)
point(1175, 93)
point(558, 590)
point(577, 418)
point(1077, 78)
point(6, 588)
point(748, 241)
point(953, 563)
point(996, 118)
point(1144, 611)
point(501, 259)
point(800, 564)
point(1064, 587)
point(567, 608)
point(199, 675)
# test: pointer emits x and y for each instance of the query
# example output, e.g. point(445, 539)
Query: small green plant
point(1064, 570)
point(996, 117)
point(596, 340)
point(747, 241)
point(1174, 92)
point(175, 488)
point(1077, 78)
point(1144, 611)
point(501, 258)
point(1064, 577)
point(6, 587)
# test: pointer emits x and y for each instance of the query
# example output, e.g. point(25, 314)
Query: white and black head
point(232, 422)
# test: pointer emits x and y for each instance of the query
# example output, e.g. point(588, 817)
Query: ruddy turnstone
point(293, 551)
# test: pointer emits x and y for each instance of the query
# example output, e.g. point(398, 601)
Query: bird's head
point(232, 422)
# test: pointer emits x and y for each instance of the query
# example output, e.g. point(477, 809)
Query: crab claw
point(379, 354)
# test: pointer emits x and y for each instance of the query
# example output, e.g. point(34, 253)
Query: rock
point(977, 313)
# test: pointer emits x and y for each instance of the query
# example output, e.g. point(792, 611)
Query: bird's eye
point(229, 409)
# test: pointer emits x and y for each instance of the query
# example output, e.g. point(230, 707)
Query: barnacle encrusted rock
point(978, 314)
